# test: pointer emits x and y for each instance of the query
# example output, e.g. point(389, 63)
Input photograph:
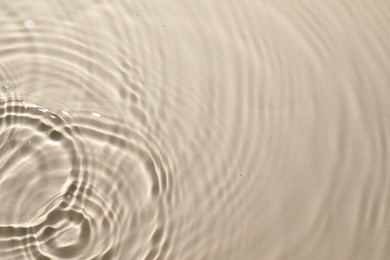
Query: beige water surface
point(195, 130)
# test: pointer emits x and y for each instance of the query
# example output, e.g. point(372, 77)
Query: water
point(194, 129)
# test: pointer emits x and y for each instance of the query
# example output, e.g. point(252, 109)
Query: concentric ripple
point(194, 130)
point(88, 196)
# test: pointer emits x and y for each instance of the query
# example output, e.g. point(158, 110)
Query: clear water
point(194, 130)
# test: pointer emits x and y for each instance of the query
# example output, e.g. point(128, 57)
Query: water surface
point(218, 130)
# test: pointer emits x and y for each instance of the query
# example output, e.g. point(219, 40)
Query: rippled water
point(194, 129)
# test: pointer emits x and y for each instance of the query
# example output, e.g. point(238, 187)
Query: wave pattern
point(88, 196)
point(194, 129)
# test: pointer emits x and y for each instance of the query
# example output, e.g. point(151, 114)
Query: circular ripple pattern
point(89, 183)
point(186, 130)
point(81, 175)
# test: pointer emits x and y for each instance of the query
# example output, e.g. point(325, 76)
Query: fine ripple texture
point(194, 130)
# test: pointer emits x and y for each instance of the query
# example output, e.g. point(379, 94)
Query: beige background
point(224, 129)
